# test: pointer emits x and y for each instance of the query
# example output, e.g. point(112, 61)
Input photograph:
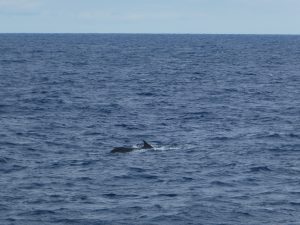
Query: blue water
point(222, 111)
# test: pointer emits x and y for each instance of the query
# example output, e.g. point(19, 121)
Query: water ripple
point(222, 112)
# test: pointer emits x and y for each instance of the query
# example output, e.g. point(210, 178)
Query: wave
point(259, 169)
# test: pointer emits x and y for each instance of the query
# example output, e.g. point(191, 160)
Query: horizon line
point(153, 33)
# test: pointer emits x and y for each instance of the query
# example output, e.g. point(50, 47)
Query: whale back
point(130, 149)
point(122, 150)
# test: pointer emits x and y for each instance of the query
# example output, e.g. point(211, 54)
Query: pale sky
point(150, 16)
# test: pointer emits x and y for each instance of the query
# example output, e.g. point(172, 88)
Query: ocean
point(222, 112)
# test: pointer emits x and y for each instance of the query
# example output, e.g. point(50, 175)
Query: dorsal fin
point(146, 145)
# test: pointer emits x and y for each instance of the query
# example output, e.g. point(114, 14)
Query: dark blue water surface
point(222, 111)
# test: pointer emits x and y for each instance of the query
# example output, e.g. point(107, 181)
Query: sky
point(150, 16)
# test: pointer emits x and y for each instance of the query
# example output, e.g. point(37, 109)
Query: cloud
point(18, 6)
point(135, 16)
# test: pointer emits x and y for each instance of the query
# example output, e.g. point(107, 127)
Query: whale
point(130, 149)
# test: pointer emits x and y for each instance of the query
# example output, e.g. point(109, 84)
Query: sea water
point(222, 111)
